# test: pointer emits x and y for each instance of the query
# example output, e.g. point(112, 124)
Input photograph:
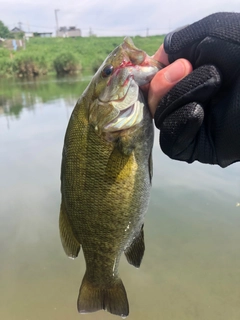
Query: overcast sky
point(110, 17)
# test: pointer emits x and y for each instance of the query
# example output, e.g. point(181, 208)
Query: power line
point(31, 25)
point(102, 32)
point(98, 29)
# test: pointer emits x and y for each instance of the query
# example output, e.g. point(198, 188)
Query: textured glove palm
point(199, 118)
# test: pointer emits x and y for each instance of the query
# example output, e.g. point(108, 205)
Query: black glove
point(199, 118)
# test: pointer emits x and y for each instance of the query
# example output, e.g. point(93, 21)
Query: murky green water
point(191, 269)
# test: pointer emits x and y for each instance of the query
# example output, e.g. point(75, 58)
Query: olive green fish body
point(105, 184)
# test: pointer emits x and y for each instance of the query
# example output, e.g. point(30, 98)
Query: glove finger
point(179, 130)
point(225, 126)
point(182, 43)
point(200, 86)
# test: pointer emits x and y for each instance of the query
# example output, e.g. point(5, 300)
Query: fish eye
point(107, 71)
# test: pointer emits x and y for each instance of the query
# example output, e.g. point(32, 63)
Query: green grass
point(49, 55)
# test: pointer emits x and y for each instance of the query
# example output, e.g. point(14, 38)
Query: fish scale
point(106, 178)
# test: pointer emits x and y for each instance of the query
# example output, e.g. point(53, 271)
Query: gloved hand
point(199, 118)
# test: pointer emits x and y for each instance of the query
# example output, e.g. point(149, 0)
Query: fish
point(106, 176)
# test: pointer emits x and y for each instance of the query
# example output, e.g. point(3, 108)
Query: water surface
point(191, 268)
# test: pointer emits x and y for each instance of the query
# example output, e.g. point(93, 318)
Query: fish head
point(118, 104)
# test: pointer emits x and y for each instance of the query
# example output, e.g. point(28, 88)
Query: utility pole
point(20, 25)
point(56, 18)
point(147, 32)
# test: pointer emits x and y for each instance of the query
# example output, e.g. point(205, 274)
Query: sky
point(110, 17)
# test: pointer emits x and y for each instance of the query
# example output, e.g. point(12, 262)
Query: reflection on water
point(15, 95)
point(191, 269)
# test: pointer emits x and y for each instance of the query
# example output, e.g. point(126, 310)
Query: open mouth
point(126, 118)
point(125, 101)
point(118, 123)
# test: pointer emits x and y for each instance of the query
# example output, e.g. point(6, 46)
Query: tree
point(4, 31)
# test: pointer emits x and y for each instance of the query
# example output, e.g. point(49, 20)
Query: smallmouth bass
point(106, 176)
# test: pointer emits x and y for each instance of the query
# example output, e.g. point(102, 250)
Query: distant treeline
point(41, 56)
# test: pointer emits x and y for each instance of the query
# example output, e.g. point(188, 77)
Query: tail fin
point(112, 298)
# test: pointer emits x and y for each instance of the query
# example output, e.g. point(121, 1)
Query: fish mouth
point(126, 118)
point(130, 109)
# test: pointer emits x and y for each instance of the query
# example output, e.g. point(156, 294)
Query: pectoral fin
point(69, 242)
point(134, 253)
point(117, 166)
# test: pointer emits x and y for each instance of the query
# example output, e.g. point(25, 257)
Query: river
point(191, 267)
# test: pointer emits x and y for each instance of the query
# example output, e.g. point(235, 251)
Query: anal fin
point(134, 253)
point(69, 242)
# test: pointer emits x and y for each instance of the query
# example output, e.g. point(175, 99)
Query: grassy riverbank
point(65, 55)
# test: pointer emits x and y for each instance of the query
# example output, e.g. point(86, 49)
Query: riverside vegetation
point(65, 55)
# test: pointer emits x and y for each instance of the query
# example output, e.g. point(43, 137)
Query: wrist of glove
point(199, 119)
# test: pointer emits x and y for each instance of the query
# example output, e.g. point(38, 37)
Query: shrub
point(4, 53)
point(29, 65)
point(66, 63)
point(96, 64)
point(5, 66)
